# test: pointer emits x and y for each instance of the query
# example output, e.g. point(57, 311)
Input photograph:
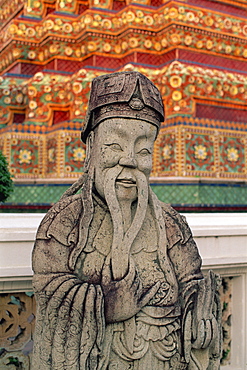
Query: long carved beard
point(123, 239)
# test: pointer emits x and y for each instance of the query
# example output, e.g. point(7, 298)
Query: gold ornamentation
point(77, 87)
point(25, 156)
point(232, 154)
point(200, 152)
point(133, 42)
point(188, 40)
point(148, 20)
point(107, 47)
point(173, 13)
point(166, 152)
point(176, 95)
point(51, 155)
point(32, 104)
point(175, 81)
point(79, 154)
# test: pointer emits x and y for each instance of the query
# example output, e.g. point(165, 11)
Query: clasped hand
point(125, 297)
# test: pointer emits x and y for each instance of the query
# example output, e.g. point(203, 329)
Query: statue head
point(123, 94)
point(124, 115)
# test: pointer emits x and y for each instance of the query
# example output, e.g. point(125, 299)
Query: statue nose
point(128, 161)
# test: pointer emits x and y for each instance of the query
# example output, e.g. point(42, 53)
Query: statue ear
point(89, 147)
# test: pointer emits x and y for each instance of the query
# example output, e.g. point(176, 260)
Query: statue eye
point(144, 152)
point(115, 147)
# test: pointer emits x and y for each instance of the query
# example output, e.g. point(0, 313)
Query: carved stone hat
point(123, 94)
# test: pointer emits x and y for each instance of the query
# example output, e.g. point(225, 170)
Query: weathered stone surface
point(117, 273)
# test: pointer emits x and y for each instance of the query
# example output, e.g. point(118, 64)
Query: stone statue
point(117, 273)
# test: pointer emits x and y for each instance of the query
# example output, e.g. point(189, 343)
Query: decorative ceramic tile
point(232, 154)
point(167, 153)
point(24, 156)
point(75, 154)
point(199, 152)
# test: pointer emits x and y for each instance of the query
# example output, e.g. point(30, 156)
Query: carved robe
point(71, 330)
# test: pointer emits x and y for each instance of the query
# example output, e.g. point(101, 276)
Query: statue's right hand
point(125, 297)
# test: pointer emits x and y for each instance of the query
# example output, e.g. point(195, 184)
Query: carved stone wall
point(17, 320)
point(226, 304)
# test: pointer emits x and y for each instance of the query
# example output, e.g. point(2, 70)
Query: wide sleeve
point(70, 323)
point(199, 297)
point(182, 249)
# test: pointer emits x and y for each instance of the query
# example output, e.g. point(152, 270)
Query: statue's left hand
point(125, 297)
point(205, 328)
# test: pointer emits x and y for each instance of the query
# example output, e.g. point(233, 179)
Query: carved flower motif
point(30, 32)
point(233, 90)
point(188, 40)
point(77, 87)
point(107, 47)
point(176, 95)
point(148, 20)
point(36, 4)
point(148, 44)
point(49, 24)
point(133, 42)
point(173, 13)
point(130, 16)
point(192, 89)
point(32, 104)
point(228, 49)
point(199, 44)
point(209, 44)
point(124, 45)
point(12, 29)
point(164, 42)
point(68, 50)
point(67, 27)
point(25, 156)
point(166, 152)
point(175, 39)
point(88, 19)
point(175, 81)
point(31, 54)
point(16, 53)
point(53, 49)
point(232, 154)
point(79, 154)
point(19, 98)
point(48, 97)
point(157, 46)
point(92, 46)
point(209, 21)
point(200, 152)
point(47, 88)
point(7, 100)
point(190, 16)
point(227, 23)
point(118, 49)
point(245, 30)
point(106, 23)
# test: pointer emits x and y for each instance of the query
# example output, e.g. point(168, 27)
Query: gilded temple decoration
point(50, 50)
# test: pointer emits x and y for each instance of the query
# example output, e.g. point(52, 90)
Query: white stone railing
point(221, 239)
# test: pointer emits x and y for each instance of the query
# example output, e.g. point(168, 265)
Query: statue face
point(128, 144)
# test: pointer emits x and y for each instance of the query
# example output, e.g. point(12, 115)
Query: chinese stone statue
point(117, 274)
